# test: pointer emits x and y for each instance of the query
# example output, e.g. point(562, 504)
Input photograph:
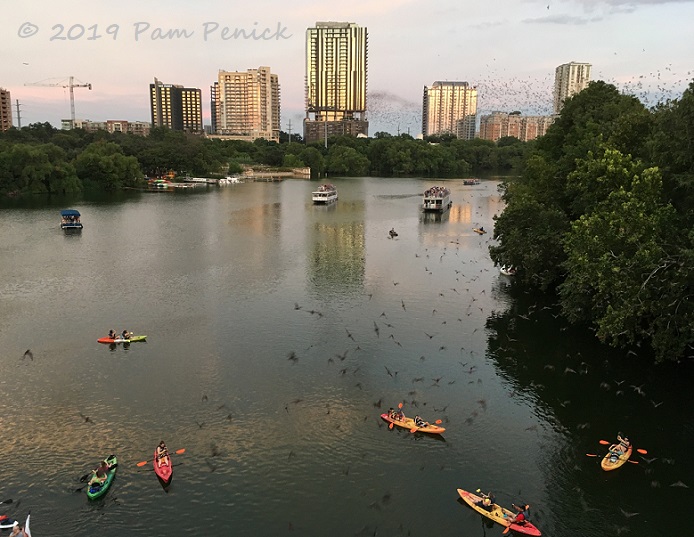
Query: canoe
point(132, 339)
point(98, 490)
point(479, 231)
point(408, 423)
point(165, 471)
point(612, 461)
point(497, 514)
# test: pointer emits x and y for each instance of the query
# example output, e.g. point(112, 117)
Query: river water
point(278, 332)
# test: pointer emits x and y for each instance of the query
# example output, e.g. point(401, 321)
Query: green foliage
point(620, 257)
point(36, 169)
point(346, 161)
point(603, 214)
point(104, 165)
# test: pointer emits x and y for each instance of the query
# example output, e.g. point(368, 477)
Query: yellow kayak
point(498, 514)
point(408, 423)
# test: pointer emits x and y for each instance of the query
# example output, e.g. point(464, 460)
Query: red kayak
point(163, 468)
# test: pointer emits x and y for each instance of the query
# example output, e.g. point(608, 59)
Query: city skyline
point(641, 46)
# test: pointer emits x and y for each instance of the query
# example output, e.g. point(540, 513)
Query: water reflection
point(432, 218)
point(338, 257)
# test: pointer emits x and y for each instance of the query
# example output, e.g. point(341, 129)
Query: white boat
point(325, 195)
point(507, 271)
point(229, 180)
point(437, 199)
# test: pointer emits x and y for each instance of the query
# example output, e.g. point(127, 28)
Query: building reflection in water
point(337, 258)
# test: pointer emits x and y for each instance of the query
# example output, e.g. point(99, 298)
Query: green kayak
point(96, 488)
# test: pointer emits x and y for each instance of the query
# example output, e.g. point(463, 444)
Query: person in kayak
point(162, 454)
point(523, 514)
point(112, 334)
point(100, 474)
point(419, 422)
point(487, 502)
point(17, 530)
point(621, 447)
point(125, 334)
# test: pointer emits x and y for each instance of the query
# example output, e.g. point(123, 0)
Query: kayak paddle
point(606, 443)
point(178, 452)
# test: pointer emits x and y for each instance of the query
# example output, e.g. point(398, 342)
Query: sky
point(508, 49)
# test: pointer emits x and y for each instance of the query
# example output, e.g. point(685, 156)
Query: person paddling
point(162, 454)
point(100, 474)
point(17, 530)
point(523, 514)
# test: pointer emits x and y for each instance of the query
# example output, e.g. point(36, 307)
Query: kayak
point(479, 231)
point(612, 461)
point(6, 522)
point(163, 471)
point(132, 339)
point(497, 514)
point(99, 489)
point(408, 423)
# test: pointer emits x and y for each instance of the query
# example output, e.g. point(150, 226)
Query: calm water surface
point(229, 284)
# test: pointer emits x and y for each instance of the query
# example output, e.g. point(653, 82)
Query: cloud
point(563, 19)
point(486, 25)
point(617, 6)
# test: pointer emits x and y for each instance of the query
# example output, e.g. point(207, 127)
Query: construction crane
point(69, 83)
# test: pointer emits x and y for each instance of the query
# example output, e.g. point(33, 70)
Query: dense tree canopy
point(100, 158)
point(602, 215)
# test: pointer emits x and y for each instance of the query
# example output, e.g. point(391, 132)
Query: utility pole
point(19, 115)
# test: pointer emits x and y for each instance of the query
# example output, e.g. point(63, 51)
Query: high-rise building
point(499, 124)
point(176, 107)
point(246, 104)
point(336, 75)
point(569, 79)
point(449, 108)
point(5, 110)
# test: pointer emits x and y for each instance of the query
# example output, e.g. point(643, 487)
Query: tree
point(104, 165)
point(346, 161)
point(314, 160)
point(622, 266)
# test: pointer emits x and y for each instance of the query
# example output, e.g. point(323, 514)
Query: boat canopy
point(69, 212)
